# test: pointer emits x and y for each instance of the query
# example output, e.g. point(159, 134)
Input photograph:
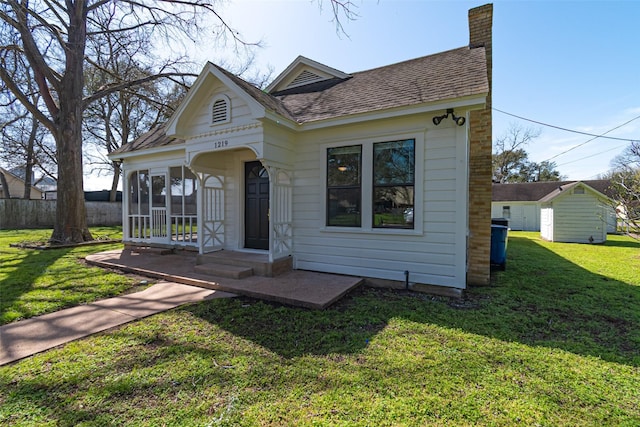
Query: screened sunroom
point(162, 206)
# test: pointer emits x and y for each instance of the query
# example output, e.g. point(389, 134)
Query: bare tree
point(24, 143)
point(625, 186)
point(53, 40)
point(119, 117)
point(510, 160)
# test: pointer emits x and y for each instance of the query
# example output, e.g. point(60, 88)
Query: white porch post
point(126, 186)
point(281, 213)
point(211, 214)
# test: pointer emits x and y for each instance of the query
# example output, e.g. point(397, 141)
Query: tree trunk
point(6, 193)
point(71, 215)
point(28, 169)
point(114, 184)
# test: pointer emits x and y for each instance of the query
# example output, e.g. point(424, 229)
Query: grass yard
point(34, 282)
point(554, 341)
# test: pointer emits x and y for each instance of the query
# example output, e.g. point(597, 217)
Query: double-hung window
point(344, 186)
point(393, 184)
point(371, 185)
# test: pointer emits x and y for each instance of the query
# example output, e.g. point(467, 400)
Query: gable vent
point(220, 111)
point(304, 78)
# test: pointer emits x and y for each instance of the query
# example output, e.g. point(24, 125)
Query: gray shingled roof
point(268, 101)
point(447, 75)
point(537, 191)
point(156, 137)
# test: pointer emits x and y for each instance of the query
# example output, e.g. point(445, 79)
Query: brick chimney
point(480, 148)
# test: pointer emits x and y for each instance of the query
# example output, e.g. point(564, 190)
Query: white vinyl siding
point(524, 216)
point(430, 252)
point(577, 217)
point(199, 121)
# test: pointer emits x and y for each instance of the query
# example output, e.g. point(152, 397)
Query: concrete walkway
point(27, 337)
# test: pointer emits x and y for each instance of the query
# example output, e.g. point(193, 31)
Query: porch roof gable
point(257, 101)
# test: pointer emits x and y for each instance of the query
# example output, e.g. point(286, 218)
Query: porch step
point(258, 263)
point(224, 270)
point(150, 250)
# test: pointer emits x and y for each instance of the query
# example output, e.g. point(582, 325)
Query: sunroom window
point(139, 217)
point(184, 206)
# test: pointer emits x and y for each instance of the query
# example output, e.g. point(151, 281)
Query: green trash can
point(499, 245)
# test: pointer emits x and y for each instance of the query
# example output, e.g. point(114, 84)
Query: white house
point(522, 204)
point(576, 213)
point(15, 187)
point(364, 173)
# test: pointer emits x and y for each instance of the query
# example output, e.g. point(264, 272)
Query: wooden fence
point(20, 213)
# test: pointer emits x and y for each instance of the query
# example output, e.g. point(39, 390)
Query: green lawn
point(554, 341)
point(34, 282)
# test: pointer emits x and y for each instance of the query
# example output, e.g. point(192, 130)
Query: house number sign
point(221, 143)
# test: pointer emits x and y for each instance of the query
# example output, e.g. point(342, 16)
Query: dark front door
point(256, 207)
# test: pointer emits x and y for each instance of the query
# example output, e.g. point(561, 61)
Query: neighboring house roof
point(16, 184)
point(542, 191)
point(43, 184)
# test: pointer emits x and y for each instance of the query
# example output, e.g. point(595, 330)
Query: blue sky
point(572, 64)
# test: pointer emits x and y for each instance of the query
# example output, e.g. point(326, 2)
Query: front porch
point(296, 288)
point(218, 200)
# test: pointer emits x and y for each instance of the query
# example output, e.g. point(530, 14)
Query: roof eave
point(146, 152)
point(472, 102)
point(281, 120)
point(555, 194)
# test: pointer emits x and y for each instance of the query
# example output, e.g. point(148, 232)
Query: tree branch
point(128, 84)
point(24, 99)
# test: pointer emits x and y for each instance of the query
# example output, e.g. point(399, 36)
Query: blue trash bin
point(499, 245)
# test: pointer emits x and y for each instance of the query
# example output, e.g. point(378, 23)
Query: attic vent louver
point(304, 78)
point(220, 111)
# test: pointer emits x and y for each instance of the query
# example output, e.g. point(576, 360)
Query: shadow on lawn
point(21, 274)
point(541, 300)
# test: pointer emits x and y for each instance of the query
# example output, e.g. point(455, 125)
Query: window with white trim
point(220, 110)
point(344, 181)
point(388, 181)
point(393, 184)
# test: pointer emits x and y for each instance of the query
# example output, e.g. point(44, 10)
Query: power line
point(573, 130)
point(593, 155)
point(596, 137)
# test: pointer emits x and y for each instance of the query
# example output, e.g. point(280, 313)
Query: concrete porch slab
point(298, 288)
